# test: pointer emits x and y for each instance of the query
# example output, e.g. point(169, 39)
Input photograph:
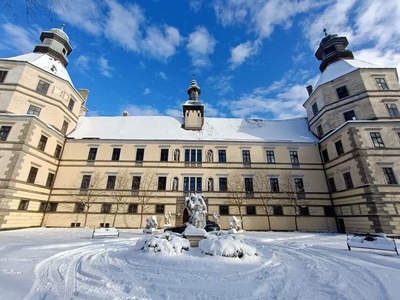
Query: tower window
point(347, 180)
point(377, 140)
point(389, 175)
point(331, 184)
point(50, 180)
point(32, 175)
point(42, 143)
point(342, 92)
point(3, 75)
point(329, 50)
point(381, 83)
point(349, 115)
point(320, 132)
point(325, 155)
point(64, 51)
point(339, 148)
point(34, 110)
point(4, 131)
point(71, 104)
point(64, 127)
point(393, 111)
point(315, 108)
point(57, 152)
point(42, 87)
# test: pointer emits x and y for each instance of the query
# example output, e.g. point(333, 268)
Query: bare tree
point(120, 192)
point(262, 187)
point(147, 191)
point(293, 189)
point(31, 8)
point(91, 188)
point(236, 194)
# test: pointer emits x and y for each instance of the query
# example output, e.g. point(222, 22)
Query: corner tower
point(331, 49)
point(55, 43)
point(193, 109)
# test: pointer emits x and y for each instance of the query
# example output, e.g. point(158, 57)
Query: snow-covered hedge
point(228, 245)
point(169, 243)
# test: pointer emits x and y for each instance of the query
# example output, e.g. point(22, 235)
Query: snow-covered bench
point(376, 241)
point(105, 232)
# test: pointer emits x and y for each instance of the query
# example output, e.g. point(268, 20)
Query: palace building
point(337, 169)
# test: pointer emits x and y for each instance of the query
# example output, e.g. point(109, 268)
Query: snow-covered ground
point(67, 264)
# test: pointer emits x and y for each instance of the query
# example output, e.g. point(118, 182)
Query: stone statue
point(197, 208)
point(235, 225)
point(175, 184)
point(209, 156)
point(167, 217)
point(151, 223)
point(177, 154)
point(216, 217)
point(210, 184)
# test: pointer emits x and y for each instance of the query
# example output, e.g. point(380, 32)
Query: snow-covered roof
point(46, 63)
point(214, 129)
point(342, 67)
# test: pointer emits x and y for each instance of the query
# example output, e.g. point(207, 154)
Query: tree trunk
point(269, 222)
point(115, 216)
point(295, 221)
point(141, 216)
point(86, 215)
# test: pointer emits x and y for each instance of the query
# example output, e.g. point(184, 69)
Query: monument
point(197, 209)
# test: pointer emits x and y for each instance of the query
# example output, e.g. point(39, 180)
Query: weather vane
point(325, 31)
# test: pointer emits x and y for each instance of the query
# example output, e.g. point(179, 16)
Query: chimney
point(125, 114)
point(84, 93)
point(309, 90)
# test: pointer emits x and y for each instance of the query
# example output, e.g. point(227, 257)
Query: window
point(75, 224)
point(250, 210)
point(349, 115)
point(342, 92)
point(64, 127)
point(139, 154)
point(79, 207)
point(329, 211)
point(347, 180)
point(43, 206)
point(274, 183)
point(381, 83)
point(42, 87)
point(339, 148)
point(331, 184)
point(164, 155)
point(4, 131)
point(294, 158)
point(193, 157)
point(278, 210)
point(303, 211)
point(299, 185)
point(162, 183)
point(132, 208)
point(71, 104)
point(136, 183)
point(23, 205)
point(34, 110)
point(393, 111)
point(3, 75)
point(106, 208)
point(389, 175)
point(116, 153)
point(92, 154)
point(248, 187)
point(325, 155)
point(85, 184)
point(377, 140)
point(52, 206)
point(42, 143)
point(57, 152)
point(160, 208)
point(223, 184)
point(222, 156)
point(32, 175)
point(111, 182)
point(315, 108)
point(270, 157)
point(224, 210)
point(104, 225)
point(320, 132)
point(50, 180)
point(246, 156)
point(192, 184)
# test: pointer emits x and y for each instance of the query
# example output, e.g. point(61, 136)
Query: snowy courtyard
point(68, 264)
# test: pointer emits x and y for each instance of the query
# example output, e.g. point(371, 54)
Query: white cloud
point(221, 83)
point(18, 38)
point(195, 5)
point(174, 112)
point(161, 45)
point(82, 63)
point(243, 51)
point(146, 91)
point(141, 110)
point(104, 67)
point(211, 111)
point(163, 75)
point(201, 44)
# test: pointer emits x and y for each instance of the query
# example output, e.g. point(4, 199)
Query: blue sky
point(251, 58)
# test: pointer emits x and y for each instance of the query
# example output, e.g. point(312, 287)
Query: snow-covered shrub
point(228, 245)
point(167, 242)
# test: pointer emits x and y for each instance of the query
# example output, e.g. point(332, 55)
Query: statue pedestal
point(150, 231)
point(194, 240)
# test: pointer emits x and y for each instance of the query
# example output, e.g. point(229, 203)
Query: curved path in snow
point(285, 269)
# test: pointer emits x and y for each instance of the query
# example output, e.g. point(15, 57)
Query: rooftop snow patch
point(343, 67)
point(46, 63)
point(214, 129)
